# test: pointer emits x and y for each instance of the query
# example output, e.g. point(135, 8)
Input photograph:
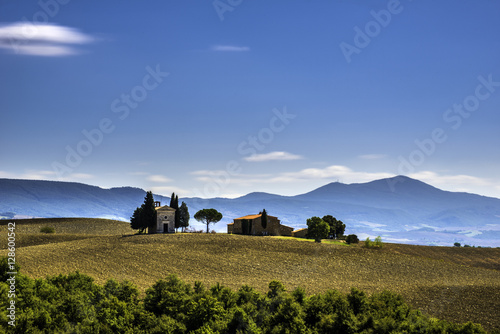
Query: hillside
point(457, 284)
point(49, 199)
point(399, 209)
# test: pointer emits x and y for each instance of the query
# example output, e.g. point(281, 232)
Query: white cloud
point(230, 48)
point(5, 175)
point(457, 180)
point(224, 178)
point(460, 182)
point(47, 175)
point(272, 156)
point(159, 179)
point(342, 173)
point(372, 156)
point(330, 173)
point(45, 39)
point(168, 190)
point(37, 175)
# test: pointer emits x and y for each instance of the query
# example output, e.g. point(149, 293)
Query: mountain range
point(399, 209)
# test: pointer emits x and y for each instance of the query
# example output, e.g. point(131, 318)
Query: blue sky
point(222, 98)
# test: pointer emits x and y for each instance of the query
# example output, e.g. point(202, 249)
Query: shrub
point(47, 229)
point(351, 239)
point(456, 244)
point(377, 243)
point(368, 243)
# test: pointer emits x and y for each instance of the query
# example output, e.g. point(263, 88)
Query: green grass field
point(456, 284)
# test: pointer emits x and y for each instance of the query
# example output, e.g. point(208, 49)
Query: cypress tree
point(172, 200)
point(183, 216)
point(263, 219)
point(174, 204)
point(149, 212)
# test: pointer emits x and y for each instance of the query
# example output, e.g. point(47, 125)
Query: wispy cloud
point(343, 173)
point(138, 173)
point(456, 182)
point(330, 173)
point(372, 156)
point(167, 190)
point(230, 48)
point(48, 175)
point(319, 176)
point(273, 156)
point(159, 179)
point(49, 40)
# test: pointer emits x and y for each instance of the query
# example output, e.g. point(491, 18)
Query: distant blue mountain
point(400, 209)
point(33, 198)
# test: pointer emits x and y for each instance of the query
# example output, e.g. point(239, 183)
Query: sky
point(223, 98)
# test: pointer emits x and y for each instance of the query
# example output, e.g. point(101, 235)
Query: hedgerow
point(74, 303)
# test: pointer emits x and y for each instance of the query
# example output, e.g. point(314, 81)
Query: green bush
point(351, 239)
point(377, 243)
point(47, 229)
point(368, 243)
point(75, 304)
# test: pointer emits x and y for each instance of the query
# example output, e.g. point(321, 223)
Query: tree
point(172, 201)
point(337, 227)
point(351, 239)
point(457, 244)
point(208, 216)
point(317, 229)
point(183, 216)
point(177, 214)
point(174, 204)
point(263, 219)
point(149, 212)
point(136, 220)
point(144, 216)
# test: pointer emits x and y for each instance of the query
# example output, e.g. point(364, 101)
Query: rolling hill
point(456, 284)
point(399, 209)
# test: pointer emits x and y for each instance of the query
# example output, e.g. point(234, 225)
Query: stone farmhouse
point(165, 219)
point(301, 233)
point(252, 225)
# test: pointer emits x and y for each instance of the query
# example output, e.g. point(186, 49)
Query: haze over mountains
point(399, 209)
